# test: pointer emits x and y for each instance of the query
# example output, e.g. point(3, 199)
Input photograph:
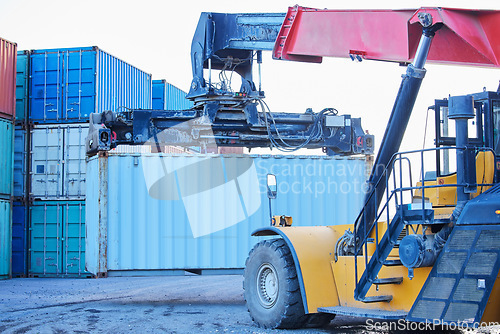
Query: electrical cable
point(230, 64)
point(315, 134)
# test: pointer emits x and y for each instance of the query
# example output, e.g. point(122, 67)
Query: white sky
point(155, 36)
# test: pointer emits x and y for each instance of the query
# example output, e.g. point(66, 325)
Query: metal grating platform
point(459, 286)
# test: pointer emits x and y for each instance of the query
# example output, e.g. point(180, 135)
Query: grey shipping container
point(5, 239)
point(58, 161)
point(154, 213)
point(57, 246)
point(68, 84)
point(6, 158)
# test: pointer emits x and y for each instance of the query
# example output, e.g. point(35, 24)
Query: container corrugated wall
point(58, 161)
point(22, 84)
point(68, 84)
point(20, 162)
point(19, 240)
point(5, 239)
point(6, 158)
point(168, 97)
point(120, 85)
point(57, 247)
point(8, 54)
point(146, 225)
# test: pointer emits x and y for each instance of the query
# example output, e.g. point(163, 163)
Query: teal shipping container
point(6, 158)
point(161, 213)
point(5, 239)
point(22, 80)
point(168, 97)
point(20, 162)
point(57, 247)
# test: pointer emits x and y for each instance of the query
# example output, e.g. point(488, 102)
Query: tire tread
point(293, 315)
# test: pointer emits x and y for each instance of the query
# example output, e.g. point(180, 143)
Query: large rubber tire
point(272, 291)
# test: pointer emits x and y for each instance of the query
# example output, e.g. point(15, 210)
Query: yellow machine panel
point(334, 285)
point(492, 311)
point(314, 250)
point(441, 196)
point(404, 293)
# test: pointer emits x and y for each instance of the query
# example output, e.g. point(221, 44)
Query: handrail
point(392, 160)
point(392, 194)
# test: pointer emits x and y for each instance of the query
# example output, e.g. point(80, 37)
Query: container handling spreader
point(424, 252)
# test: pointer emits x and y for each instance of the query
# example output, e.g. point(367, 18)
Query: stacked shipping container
point(168, 97)
point(20, 224)
point(8, 55)
point(68, 84)
point(57, 90)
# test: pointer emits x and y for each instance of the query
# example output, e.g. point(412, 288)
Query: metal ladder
point(403, 216)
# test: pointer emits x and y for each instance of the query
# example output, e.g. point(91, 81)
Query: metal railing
point(394, 197)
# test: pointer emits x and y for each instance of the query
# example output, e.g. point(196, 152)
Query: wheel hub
point(267, 285)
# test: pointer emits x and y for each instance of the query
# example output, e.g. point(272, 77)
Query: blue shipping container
point(154, 212)
point(22, 76)
point(67, 85)
point(169, 97)
point(5, 239)
point(6, 158)
point(19, 238)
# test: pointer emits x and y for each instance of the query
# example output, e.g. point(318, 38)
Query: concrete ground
point(169, 304)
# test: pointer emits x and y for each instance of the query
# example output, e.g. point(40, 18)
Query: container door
point(74, 161)
point(158, 94)
point(22, 86)
point(45, 248)
point(6, 158)
point(20, 162)
point(46, 87)
point(79, 85)
point(5, 239)
point(74, 239)
point(19, 244)
point(46, 162)
point(8, 53)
